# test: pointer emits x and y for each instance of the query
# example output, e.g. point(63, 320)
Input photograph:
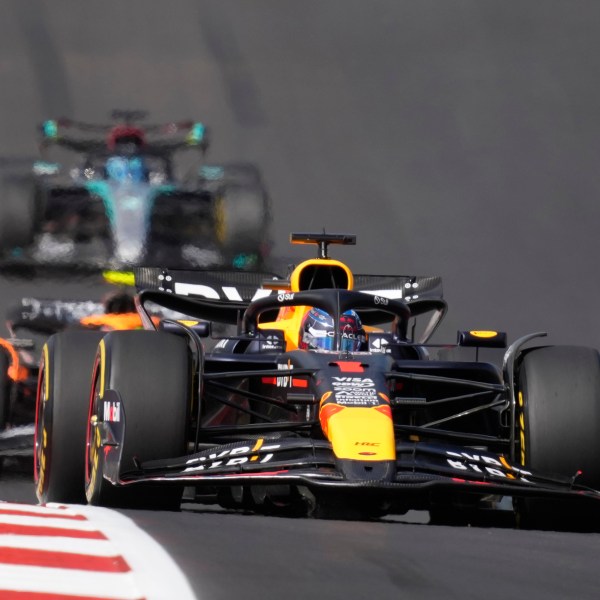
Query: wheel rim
point(92, 437)
point(41, 461)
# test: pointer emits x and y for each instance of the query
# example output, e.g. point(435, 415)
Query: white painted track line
point(117, 586)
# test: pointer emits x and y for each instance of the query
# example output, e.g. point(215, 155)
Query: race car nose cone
point(129, 251)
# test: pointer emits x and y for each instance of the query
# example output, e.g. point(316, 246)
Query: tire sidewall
point(559, 403)
point(61, 415)
point(150, 372)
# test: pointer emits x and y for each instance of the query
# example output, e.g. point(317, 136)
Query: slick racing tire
point(558, 403)
point(243, 174)
point(150, 371)
point(17, 214)
point(242, 220)
point(61, 414)
point(4, 388)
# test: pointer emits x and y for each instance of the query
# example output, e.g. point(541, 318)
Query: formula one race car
point(124, 203)
point(326, 400)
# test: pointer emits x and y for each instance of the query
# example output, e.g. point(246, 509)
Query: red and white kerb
point(82, 553)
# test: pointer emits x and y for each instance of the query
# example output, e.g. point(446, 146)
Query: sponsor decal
point(381, 300)
point(232, 294)
point(58, 309)
point(484, 464)
point(345, 333)
point(287, 380)
point(283, 296)
point(390, 294)
point(355, 391)
point(112, 411)
point(271, 342)
point(230, 457)
point(379, 345)
point(222, 293)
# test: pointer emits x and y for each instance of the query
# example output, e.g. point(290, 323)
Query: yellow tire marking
point(522, 437)
point(102, 349)
point(521, 426)
point(46, 373)
point(220, 225)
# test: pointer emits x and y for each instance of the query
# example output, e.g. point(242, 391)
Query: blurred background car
point(127, 199)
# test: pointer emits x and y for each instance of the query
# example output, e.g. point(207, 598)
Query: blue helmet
point(122, 169)
point(318, 331)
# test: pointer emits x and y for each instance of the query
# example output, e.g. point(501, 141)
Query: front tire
point(61, 414)
point(559, 429)
point(150, 371)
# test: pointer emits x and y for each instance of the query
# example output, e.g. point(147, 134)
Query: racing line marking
point(74, 552)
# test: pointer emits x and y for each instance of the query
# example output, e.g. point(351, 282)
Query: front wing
point(295, 460)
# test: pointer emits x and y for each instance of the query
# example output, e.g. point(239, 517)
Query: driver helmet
point(318, 331)
point(119, 303)
point(123, 169)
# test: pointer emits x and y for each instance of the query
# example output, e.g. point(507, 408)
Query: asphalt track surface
point(458, 138)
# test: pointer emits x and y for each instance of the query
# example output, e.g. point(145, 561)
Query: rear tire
point(559, 430)
point(242, 220)
point(243, 174)
point(151, 373)
point(61, 414)
point(17, 214)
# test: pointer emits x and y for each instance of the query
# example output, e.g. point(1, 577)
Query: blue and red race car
point(326, 399)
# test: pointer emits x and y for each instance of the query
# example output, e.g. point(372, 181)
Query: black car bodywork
point(254, 422)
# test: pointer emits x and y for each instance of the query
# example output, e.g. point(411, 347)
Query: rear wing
point(231, 285)
point(49, 316)
point(215, 295)
point(223, 295)
point(89, 137)
point(213, 284)
point(407, 287)
point(423, 294)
